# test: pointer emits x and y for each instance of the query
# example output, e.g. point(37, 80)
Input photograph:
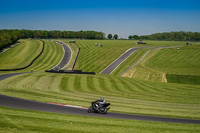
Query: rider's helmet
point(102, 99)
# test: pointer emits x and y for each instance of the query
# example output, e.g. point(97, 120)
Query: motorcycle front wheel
point(90, 110)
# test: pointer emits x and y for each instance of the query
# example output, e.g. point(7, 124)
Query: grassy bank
point(16, 120)
point(20, 55)
point(51, 56)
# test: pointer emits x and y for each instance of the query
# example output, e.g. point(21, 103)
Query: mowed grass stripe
point(90, 84)
point(64, 83)
point(84, 85)
point(127, 85)
point(77, 85)
point(102, 84)
point(116, 85)
point(71, 83)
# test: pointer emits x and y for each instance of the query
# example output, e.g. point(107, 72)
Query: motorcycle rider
point(98, 103)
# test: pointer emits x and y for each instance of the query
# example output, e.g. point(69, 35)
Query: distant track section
point(28, 64)
point(109, 69)
point(67, 55)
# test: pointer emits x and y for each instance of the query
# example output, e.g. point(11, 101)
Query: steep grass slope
point(21, 55)
point(126, 95)
point(51, 56)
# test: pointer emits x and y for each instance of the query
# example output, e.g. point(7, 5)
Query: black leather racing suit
point(98, 103)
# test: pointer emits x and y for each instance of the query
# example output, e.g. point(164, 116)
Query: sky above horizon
point(122, 17)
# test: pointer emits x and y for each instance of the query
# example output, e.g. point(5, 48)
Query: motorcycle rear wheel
point(103, 110)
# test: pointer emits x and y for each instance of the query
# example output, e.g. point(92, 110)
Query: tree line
point(8, 37)
point(178, 36)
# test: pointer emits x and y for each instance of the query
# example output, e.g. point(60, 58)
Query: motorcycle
point(98, 108)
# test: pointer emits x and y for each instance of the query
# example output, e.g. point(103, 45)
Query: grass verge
point(16, 120)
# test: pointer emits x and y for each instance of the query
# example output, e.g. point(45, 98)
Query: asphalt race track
point(109, 69)
point(5, 76)
point(67, 56)
point(19, 103)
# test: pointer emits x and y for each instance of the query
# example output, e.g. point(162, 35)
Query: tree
point(144, 37)
point(136, 37)
point(99, 36)
point(109, 36)
point(115, 36)
point(130, 37)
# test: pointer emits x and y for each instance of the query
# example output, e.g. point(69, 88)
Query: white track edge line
point(115, 60)
point(122, 62)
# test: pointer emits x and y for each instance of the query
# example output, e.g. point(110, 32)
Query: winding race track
point(19, 103)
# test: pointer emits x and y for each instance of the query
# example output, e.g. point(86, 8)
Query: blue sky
point(122, 17)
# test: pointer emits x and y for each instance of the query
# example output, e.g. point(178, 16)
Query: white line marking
point(75, 106)
point(115, 60)
point(122, 62)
